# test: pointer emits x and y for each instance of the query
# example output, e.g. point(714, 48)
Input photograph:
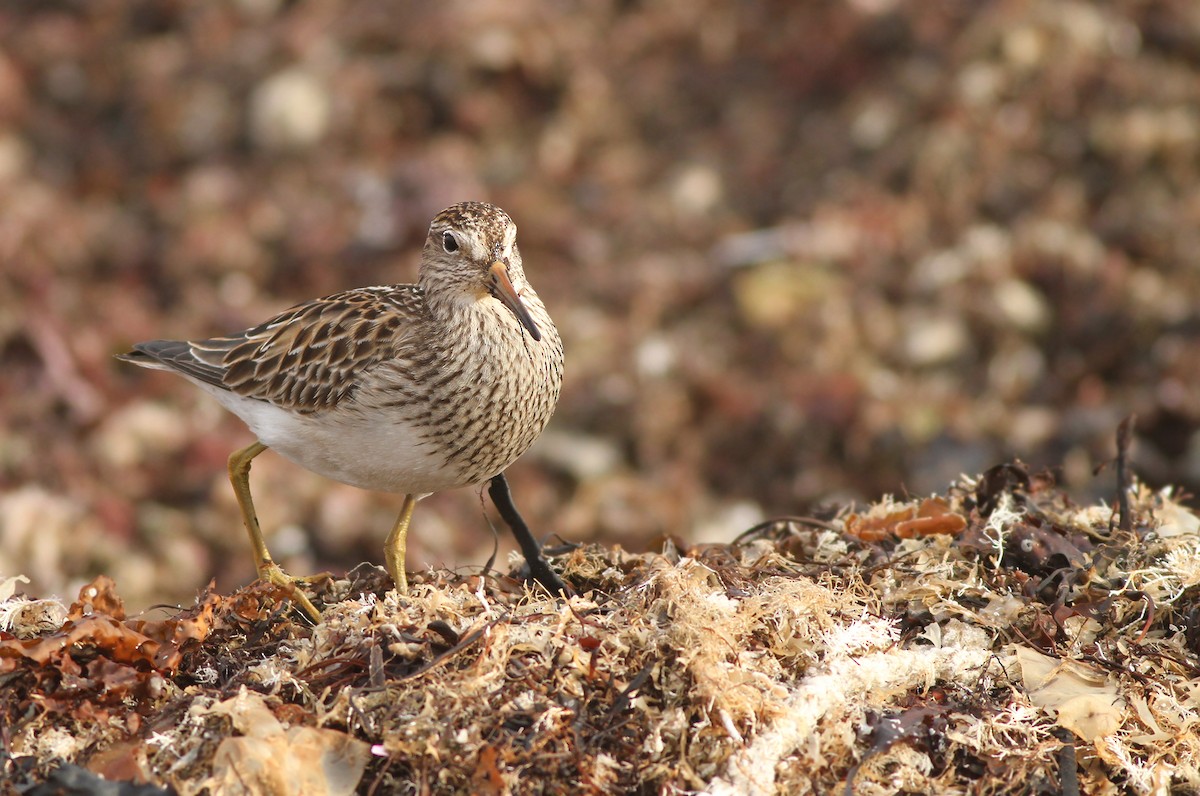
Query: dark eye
point(449, 243)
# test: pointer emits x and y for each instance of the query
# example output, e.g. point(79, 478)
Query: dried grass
point(1035, 640)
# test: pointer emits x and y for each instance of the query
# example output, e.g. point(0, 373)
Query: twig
point(1124, 476)
point(1068, 765)
point(766, 525)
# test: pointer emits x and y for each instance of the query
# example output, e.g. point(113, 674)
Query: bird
point(406, 388)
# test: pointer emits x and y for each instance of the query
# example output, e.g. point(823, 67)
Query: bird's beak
point(502, 288)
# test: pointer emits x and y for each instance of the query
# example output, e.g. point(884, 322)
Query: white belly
point(381, 456)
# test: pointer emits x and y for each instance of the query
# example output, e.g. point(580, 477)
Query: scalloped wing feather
point(310, 357)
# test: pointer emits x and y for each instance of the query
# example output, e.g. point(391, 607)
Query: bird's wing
point(308, 358)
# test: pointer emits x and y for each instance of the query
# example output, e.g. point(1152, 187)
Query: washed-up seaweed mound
point(996, 638)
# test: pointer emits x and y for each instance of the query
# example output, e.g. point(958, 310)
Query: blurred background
point(800, 253)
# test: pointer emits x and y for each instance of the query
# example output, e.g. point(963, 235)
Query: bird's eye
point(449, 243)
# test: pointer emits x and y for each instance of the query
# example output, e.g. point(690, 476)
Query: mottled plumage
point(402, 388)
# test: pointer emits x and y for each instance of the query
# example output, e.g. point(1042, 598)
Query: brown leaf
point(931, 516)
point(106, 634)
point(488, 779)
point(98, 598)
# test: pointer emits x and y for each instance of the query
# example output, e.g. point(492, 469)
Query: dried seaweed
point(1040, 648)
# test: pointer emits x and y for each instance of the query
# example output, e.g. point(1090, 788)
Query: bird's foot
point(271, 573)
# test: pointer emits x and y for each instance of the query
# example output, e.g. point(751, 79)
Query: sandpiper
point(412, 389)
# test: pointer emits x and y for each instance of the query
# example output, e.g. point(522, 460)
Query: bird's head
point(471, 255)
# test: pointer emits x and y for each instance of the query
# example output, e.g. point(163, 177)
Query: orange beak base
point(502, 288)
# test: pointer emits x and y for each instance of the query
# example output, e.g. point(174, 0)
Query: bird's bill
point(508, 294)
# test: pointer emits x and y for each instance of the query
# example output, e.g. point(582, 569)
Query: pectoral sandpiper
point(411, 389)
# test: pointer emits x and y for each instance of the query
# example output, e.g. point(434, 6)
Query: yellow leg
point(268, 570)
point(395, 547)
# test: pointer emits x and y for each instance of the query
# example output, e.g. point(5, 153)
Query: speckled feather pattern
point(408, 388)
